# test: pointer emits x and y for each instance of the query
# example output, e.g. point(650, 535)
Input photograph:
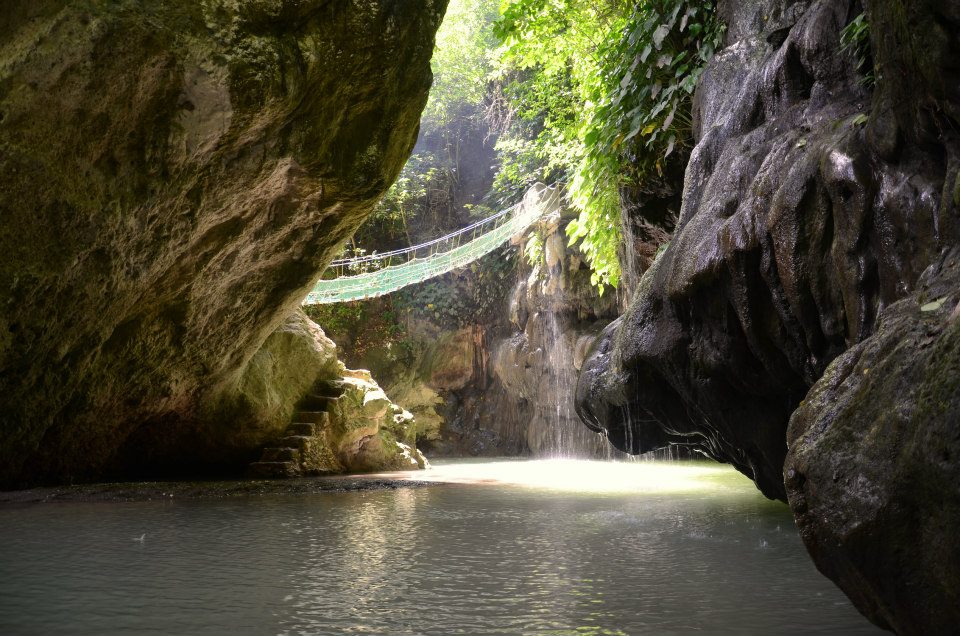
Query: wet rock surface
point(811, 202)
point(173, 178)
point(554, 313)
point(368, 431)
point(873, 471)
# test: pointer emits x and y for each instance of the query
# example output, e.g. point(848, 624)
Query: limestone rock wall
point(173, 177)
point(369, 431)
point(792, 292)
point(811, 201)
point(309, 413)
point(291, 361)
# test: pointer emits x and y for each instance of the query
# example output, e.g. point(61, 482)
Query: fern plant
point(855, 40)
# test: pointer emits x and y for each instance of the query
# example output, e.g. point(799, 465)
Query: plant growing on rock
point(855, 39)
point(602, 96)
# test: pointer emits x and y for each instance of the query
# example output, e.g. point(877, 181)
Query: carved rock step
point(307, 429)
point(300, 451)
point(280, 455)
point(320, 418)
point(274, 469)
point(300, 442)
point(317, 402)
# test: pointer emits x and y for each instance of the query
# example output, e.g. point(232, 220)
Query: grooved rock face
point(810, 203)
point(173, 178)
point(873, 472)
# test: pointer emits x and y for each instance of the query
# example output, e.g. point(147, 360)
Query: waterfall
point(555, 313)
point(568, 436)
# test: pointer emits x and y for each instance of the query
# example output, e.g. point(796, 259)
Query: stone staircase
point(304, 447)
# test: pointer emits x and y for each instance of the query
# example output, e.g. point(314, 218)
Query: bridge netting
point(375, 274)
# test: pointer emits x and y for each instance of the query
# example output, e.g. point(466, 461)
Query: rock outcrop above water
point(173, 177)
point(333, 420)
point(811, 202)
point(873, 472)
point(344, 424)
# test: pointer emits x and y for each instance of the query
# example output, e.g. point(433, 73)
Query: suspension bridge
point(375, 275)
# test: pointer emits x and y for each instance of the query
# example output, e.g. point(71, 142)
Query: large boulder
point(369, 432)
point(290, 362)
point(173, 178)
point(873, 472)
point(811, 201)
point(283, 370)
point(317, 416)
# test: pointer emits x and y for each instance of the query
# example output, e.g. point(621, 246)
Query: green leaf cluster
point(533, 250)
point(593, 93)
point(365, 325)
point(421, 196)
point(390, 224)
point(463, 59)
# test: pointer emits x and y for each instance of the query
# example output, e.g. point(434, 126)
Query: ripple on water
point(696, 549)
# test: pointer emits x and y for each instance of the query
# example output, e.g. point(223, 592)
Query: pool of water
point(554, 547)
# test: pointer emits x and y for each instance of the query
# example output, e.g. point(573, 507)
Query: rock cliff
point(555, 313)
point(812, 200)
point(494, 377)
point(173, 177)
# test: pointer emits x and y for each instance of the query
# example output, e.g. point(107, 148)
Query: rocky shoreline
point(117, 492)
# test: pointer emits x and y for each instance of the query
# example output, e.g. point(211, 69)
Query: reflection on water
point(572, 475)
point(503, 550)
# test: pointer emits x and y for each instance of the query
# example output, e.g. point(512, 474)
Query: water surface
point(508, 548)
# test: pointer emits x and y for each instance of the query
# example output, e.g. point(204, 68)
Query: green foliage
point(422, 196)
point(855, 39)
point(602, 94)
point(365, 325)
point(594, 193)
point(390, 223)
point(593, 93)
point(533, 250)
point(650, 76)
point(462, 60)
point(463, 298)
point(547, 69)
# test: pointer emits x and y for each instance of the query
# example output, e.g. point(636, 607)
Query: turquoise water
point(508, 548)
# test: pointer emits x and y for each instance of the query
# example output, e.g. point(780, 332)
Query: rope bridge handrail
point(381, 274)
point(380, 256)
